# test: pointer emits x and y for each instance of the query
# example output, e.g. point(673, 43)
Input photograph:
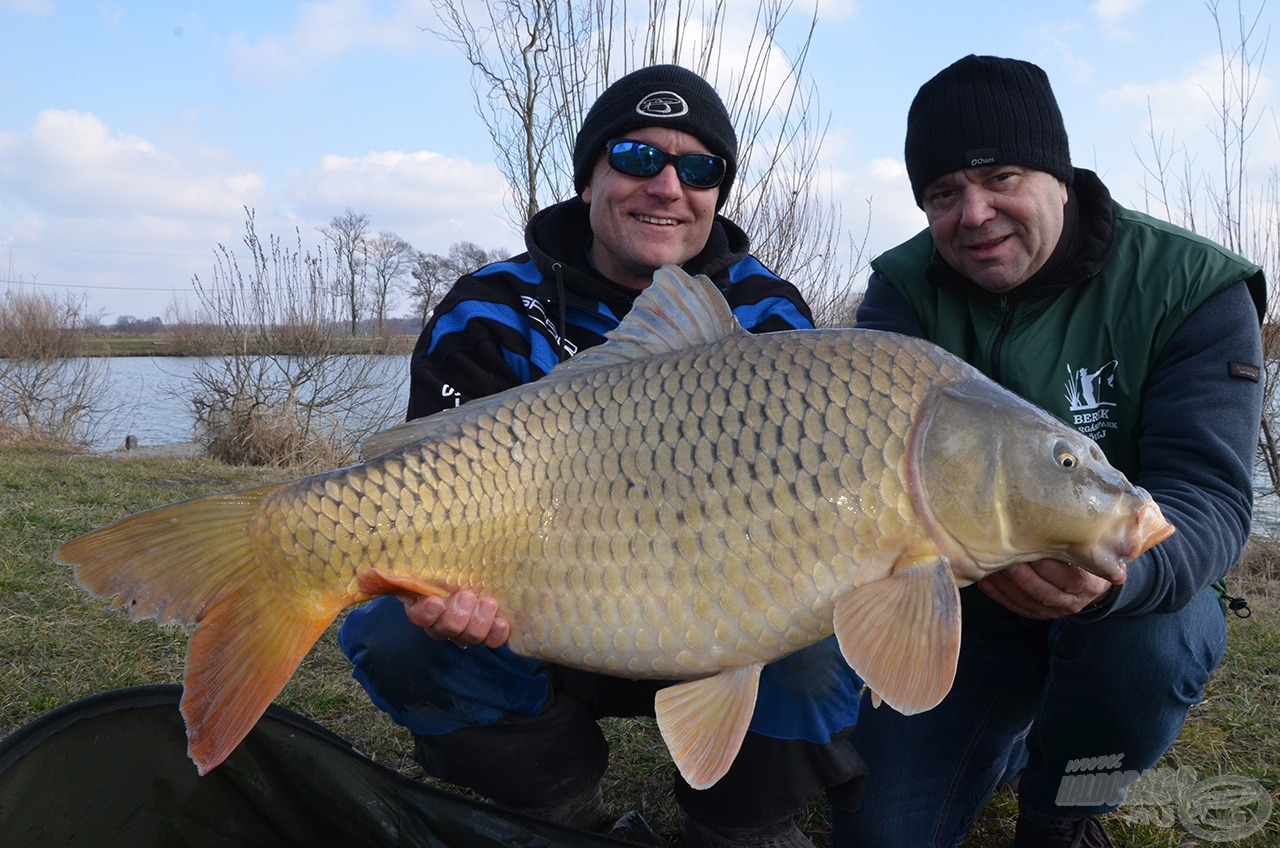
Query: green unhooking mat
point(112, 770)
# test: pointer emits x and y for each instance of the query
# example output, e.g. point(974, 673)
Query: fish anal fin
point(704, 721)
point(376, 582)
point(902, 634)
point(240, 656)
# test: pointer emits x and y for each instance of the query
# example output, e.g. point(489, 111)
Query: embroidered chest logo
point(1089, 392)
point(538, 315)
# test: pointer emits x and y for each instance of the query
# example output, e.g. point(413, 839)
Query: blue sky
point(133, 134)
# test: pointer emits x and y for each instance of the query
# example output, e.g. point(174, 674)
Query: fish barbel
point(686, 501)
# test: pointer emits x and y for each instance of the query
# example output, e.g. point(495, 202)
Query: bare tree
point(285, 391)
point(50, 392)
point(348, 236)
point(390, 260)
point(1223, 201)
point(433, 274)
point(537, 65)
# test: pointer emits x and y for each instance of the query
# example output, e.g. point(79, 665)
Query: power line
point(88, 286)
point(107, 250)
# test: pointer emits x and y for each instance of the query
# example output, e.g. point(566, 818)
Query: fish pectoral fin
point(704, 721)
point(902, 634)
point(376, 582)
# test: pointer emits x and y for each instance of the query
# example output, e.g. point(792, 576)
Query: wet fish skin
point(686, 501)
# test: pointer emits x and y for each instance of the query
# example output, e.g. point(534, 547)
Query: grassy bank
point(56, 646)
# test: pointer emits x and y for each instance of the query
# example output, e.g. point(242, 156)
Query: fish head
point(999, 481)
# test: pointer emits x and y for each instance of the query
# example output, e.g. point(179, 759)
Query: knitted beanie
point(985, 110)
point(657, 96)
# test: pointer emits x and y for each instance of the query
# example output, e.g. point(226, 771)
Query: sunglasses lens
point(637, 159)
point(700, 170)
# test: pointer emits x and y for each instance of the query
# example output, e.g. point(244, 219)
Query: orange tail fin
point(197, 562)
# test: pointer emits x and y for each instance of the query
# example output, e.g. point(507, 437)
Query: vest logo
point(662, 104)
point(1088, 391)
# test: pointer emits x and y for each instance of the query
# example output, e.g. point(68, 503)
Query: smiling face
point(642, 224)
point(996, 225)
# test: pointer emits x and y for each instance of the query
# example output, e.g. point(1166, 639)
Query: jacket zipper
point(1007, 309)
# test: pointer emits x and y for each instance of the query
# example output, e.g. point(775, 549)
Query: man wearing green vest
point(1143, 336)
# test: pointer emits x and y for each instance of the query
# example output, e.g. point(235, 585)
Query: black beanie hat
point(657, 96)
point(985, 110)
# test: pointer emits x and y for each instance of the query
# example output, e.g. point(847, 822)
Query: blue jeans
point(1078, 708)
point(471, 708)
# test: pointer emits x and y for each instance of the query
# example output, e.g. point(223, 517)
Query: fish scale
point(685, 502)
point(605, 466)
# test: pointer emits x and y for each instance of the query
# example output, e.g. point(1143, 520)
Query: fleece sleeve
point(1201, 411)
point(883, 308)
point(475, 344)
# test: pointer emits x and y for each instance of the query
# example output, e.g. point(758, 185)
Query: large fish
point(686, 501)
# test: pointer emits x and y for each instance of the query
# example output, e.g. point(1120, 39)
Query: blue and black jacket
point(511, 322)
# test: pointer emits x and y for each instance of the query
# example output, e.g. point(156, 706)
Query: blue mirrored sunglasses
point(640, 159)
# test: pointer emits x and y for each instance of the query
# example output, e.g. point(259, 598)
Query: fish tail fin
point(199, 562)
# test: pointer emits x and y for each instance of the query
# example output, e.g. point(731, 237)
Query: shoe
point(1074, 833)
point(632, 827)
point(782, 835)
point(583, 809)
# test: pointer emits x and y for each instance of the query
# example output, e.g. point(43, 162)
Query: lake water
point(150, 398)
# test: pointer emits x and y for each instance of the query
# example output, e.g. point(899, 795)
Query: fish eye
point(1064, 457)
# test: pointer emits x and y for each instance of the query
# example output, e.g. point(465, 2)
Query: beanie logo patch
point(662, 104)
point(981, 156)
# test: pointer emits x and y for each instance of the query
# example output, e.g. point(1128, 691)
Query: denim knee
point(432, 686)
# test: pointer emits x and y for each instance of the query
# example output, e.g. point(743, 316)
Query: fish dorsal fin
point(675, 312)
point(902, 634)
point(704, 721)
point(401, 435)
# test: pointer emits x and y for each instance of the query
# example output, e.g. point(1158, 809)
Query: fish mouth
point(1145, 530)
point(1150, 529)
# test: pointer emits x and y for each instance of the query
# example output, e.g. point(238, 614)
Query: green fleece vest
point(1084, 353)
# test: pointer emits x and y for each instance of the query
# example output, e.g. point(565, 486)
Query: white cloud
point(84, 205)
point(43, 8)
point(327, 31)
point(1116, 12)
point(429, 199)
point(71, 163)
point(1183, 106)
point(874, 196)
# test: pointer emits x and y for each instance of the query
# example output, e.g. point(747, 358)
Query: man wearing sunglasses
point(653, 163)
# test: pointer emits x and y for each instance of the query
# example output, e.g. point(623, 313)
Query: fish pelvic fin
point(197, 563)
point(902, 634)
point(704, 721)
point(375, 582)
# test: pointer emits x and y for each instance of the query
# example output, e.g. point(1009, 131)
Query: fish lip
point(1150, 528)
point(1147, 529)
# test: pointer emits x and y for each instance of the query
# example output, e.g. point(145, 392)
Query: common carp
point(686, 501)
